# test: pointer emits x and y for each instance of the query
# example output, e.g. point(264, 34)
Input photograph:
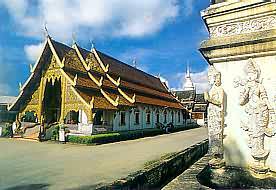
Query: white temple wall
point(130, 118)
point(236, 147)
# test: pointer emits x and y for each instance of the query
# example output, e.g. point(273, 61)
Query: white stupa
point(188, 85)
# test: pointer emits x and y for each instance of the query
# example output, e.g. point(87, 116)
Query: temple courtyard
point(35, 165)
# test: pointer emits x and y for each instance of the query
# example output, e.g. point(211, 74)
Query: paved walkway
point(34, 165)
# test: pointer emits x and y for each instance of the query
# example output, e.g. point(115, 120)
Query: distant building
point(5, 115)
point(193, 102)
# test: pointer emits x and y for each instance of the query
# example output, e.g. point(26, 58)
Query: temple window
point(172, 116)
point(72, 117)
point(123, 118)
point(157, 117)
point(98, 120)
point(179, 115)
point(137, 117)
point(165, 116)
point(148, 116)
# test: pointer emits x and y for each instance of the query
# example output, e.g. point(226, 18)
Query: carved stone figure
point(253, 98)
point(215, 97)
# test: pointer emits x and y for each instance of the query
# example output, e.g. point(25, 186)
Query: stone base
point(258, 171)
point(216, 163)
point(232, 177)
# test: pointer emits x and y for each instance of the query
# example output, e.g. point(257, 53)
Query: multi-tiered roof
point(99, 79)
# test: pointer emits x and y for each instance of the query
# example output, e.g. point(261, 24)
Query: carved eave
point(61, 64)
point(55, 53)
point(131, 100)
point(105, 68)
point(98, 83)
point(87, 67)
point(116, 82)
point(89, 105)
point(92, 102)
point(113, 102)
point(34, 68)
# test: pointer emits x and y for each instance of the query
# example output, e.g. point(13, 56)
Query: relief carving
point(259, 114)
point(215, 97)
point(253, 25)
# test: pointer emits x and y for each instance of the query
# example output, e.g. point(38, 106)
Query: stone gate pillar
point(242, 46)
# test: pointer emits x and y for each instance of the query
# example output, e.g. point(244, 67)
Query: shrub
point(7, 130)
point(95, 139)
point(114, 137)
point(120, 136)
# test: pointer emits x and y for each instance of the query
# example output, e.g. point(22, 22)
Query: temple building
point(193, 102)
point(93, 92)
point(5, 115)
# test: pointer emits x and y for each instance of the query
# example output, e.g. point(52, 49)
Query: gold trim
point(92, 102)
point(31, 68)
point(81, 99)
point(54, 52)
point(131, 100)
point(99, 83)
point(105, 68)
point(87, 68)
point(114, 103)
point(20, 86)
point(73, 82)
point(117, 83)
point(62, 63)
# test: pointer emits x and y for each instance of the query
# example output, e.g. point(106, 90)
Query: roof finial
point(159, 75)
point(46, 33)
point(74, 38)
point(92, 44)
point(134, 62)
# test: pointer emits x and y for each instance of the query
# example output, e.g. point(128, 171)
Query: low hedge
point(121, 136)
point(114, 137)
point(94, 139)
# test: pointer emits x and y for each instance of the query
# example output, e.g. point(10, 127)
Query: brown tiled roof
point(186, 95)
point(60, 48)
point(99, 101)
point(83, 81)
point(129, 73)
point(146, 90)
point(122, 100)
point(158, 102)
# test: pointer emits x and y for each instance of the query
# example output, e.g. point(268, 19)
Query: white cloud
point(200, 80)
point(4, 89)
point(98, 17)
point(33, 51)
point(189, 7)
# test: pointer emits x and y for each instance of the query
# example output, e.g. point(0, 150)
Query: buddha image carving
point(215, 97)
point(253, 97)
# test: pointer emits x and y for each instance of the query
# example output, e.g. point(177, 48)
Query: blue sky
point(163, 35)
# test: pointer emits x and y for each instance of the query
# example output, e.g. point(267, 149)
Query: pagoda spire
point(188, 70)
point(188, 84)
